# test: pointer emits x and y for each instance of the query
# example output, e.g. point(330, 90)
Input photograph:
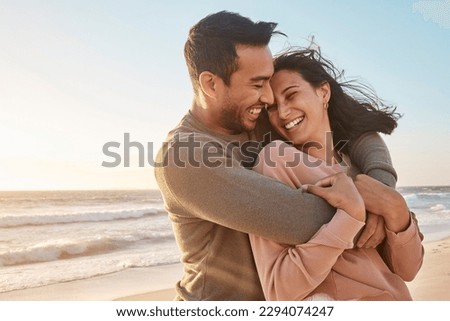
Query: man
point(213, 201)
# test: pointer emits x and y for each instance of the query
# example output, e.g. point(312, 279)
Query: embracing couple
point(315, 214)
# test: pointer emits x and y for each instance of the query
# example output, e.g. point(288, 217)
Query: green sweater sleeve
point(220, 190)
point(370, 154)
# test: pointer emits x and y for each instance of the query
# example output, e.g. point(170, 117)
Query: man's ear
point(208, 83)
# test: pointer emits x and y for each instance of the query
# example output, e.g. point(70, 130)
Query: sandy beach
point(152, 283)
point(432, 283)
point(157, 283)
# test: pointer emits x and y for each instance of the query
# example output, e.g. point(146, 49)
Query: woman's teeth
point(294, 123)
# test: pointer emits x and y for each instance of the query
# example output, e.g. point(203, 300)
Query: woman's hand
point(340, 192)
point(373, 233)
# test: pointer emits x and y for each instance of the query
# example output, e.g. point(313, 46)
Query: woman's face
point(299, 113)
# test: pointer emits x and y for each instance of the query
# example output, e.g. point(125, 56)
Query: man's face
point(249, 90)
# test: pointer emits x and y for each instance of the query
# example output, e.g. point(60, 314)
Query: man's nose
point(267, 95)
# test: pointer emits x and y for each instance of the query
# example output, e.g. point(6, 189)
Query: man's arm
point(223, 192)
point(370, 154)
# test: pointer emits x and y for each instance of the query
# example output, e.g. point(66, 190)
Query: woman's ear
point(325, 91)
point(208, 83)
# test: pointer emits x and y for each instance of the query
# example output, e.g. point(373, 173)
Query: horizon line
point(148, 189)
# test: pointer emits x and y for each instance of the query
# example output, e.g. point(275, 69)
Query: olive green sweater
point(214, 201)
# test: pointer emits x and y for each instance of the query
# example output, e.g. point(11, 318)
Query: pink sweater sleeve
point(403, 252)
point(292, 272)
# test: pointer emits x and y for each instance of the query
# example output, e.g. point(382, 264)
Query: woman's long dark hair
point(354, 108)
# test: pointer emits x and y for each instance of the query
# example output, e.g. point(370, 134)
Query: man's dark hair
point(211, 45)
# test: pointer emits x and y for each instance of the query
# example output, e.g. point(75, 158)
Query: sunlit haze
point(75, 75)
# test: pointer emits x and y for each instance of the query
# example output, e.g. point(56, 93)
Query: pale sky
point(75, 75)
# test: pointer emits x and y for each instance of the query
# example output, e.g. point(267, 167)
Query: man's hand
point(373, 233)
point(385, 201)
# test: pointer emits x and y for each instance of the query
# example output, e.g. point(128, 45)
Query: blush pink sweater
point(328, 265)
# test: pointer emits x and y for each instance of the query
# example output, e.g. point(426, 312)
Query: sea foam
point(88, 216)
point(65, 249)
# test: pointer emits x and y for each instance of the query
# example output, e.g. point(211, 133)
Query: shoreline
point(157, 283)
point(109, 287)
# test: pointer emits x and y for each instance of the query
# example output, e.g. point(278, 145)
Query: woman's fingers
point(339, 191)
point(373, 233)
point(316, 190)
point(326, 182)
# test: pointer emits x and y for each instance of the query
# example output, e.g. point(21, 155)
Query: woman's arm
point(402, 251)
point(293, 272)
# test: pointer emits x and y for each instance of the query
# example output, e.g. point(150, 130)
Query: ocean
point(57, 236)
point(52, 237)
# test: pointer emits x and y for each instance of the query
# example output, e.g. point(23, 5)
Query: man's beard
point(231, 120)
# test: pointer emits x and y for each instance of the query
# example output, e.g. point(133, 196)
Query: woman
point(313, 112)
